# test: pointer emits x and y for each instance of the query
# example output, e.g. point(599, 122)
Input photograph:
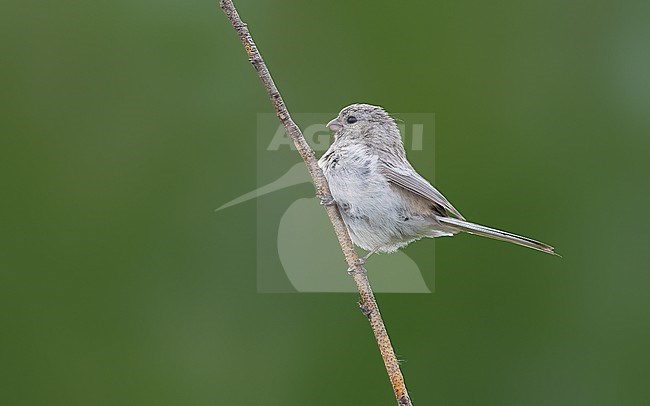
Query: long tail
point(496, 234)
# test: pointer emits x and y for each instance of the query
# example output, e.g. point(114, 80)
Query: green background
point(124, 123)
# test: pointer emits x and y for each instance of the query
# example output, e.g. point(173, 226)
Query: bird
point(384, 202)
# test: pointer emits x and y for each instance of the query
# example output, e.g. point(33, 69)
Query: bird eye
point(351, 120)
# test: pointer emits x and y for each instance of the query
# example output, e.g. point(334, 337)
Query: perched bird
point(384, 202)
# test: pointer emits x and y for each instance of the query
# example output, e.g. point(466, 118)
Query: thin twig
point(368, 303)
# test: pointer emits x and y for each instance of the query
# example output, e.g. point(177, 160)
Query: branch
point(368, 304)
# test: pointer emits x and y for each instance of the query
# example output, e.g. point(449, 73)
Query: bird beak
point(334, 125)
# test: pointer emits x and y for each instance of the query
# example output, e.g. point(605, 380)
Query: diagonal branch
point(368, 304)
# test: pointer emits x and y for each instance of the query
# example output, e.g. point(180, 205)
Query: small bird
point(384, 202)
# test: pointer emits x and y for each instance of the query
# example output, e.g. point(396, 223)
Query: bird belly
point(379, 216)
point(375, 212)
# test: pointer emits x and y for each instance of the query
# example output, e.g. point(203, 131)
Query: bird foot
point(360, 262)
point(366, 312)
point(364, 258)
point(327, 201)
point(358, 268)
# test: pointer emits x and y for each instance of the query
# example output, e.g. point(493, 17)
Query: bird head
point(364, 122)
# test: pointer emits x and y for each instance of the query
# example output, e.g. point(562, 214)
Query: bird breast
point(353, 175)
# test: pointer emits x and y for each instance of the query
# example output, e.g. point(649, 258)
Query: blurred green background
point(123, 124)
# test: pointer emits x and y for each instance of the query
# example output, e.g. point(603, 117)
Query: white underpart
point(372, 209)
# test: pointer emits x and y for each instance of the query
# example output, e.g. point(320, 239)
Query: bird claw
point(366, 312)
point(358, 268)
point(327, 201)
point(359, 263)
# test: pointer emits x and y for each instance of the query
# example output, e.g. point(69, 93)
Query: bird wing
point(407, 178)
